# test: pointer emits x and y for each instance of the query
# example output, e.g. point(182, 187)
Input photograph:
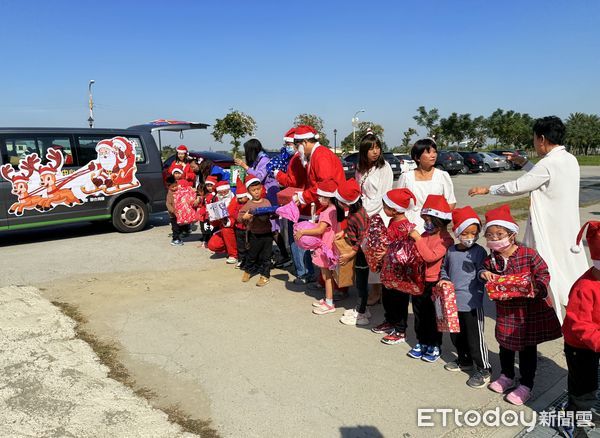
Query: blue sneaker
point(431, 355)
point(417, 351)
point(176, 242)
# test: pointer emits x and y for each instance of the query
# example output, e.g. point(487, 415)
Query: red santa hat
point(106, 144)
point(250, 179)
point(593, 239)
point(211, 180)
point(240, 188)
point(289, 136)
point(327, 188)
point(348, 192)
point(182, 148)
point(462, 218)
point(221, 186)
point(399, 199)
point(501, 217)
point(19, 177)
point(304, 132)
point(437, 206)
point(176, 169)
point(47, 169)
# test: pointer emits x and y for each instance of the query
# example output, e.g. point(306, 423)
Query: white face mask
point(468, 243)
point(596, 264)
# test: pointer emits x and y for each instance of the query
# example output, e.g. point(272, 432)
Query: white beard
point(107, 162)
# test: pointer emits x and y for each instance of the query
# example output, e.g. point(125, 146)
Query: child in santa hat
point(432, 246)
point(462, 264)
point(521, 323)
point(260, 235)
point(581, 329)
point(327, 227)
point(395, 302)
point(184, 229)
point(223, 240)
point(241, 198)
point(202, 215)
point(348, 196)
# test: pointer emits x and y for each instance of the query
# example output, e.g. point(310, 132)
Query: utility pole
point(91, 104)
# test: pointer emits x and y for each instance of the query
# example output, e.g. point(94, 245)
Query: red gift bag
point(506, 287)
point(376, 241)
point(446, 311)
point(403, 268)
point(183, 199)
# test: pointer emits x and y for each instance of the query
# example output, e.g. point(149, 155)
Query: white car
point(493, 162)
point(406, 162)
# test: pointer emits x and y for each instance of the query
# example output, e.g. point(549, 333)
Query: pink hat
point(348, 192)
point(289, 136)
point(437, 206)
point(593, 239)
point(182, 148)
point(304, 132)
point(327, 188)
point(399, 199)
point(463, 217)
point(501, 217)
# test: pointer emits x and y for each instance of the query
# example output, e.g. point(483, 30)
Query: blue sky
point(274, 60)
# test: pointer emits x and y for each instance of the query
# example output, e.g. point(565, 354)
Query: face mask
point(499, 245)
point(290, 150)
point(429, 227)
point(467, 242)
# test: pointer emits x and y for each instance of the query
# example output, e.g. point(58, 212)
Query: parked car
point(387, 156)
point(449, 161)
point(406, 162)
point(55, 176)
point(493, 162)
point(473, 162)
point(504, 153)
point(221, 160)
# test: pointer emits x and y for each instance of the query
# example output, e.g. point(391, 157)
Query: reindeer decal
point(20, 184)
point(55, 195)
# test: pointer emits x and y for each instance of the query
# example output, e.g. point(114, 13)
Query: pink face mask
point(499, 245)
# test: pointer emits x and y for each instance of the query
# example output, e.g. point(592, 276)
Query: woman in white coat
point(426, 180)
point(375, 177)
point(553, 184)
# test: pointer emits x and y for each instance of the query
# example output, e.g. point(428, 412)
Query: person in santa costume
point(521, 323)
point(432, 245)
point(182, 159)
point(223, 240)
point(241, 198)
point(462, 264)
point(581, 329)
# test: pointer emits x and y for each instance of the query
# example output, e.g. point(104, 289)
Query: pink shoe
point(502, 384)
point(519, 396)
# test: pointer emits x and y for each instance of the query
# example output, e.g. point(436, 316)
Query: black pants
point(583, 377)
point(240, 241)
point(469, 342)
point(280, 241)
point(259, 254)
point(425, 324)
point(527, 364)
point(361, 280)
point(176, 228)
point(395, 306)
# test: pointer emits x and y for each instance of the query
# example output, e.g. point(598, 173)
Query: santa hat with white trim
point(182, 148)
point(348, 192)
point(240, 189)
point(464, 217)
point(221, 186)
point(304, 132)
point(437, 206)
point(593, 239)
point(501, 217)
point(176, 169)
point(211, 180)
point(250, 179)
point(399, 199)
point(327, 188)
point(289, 136)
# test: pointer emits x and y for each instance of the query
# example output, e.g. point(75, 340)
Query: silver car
point(493, 162)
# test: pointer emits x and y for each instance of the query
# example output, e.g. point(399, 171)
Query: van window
point(86, 150)
point(61, 142)
point(13, 149)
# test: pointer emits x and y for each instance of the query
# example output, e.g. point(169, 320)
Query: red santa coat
point(323, 165)
point(188, 174)
point(295, 176)
point(581, 327)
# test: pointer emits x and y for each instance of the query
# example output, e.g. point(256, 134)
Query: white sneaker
point(355, 319)
point(231, 260)
point(318, 303)
point(324, 309)
point(355, 312)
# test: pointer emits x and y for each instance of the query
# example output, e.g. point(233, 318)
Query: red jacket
point(581, 327)
point(295, 175)
point(433, 248)
point(188, 174)
point(234, 211)
point(323, 165)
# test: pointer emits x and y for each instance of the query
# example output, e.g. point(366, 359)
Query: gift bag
point(446, 311)
point(376, 241)
point(308, 242)
point(343, 275)
point(285, 196)
point(506, 287)
point(403, 267)
point(183, 199)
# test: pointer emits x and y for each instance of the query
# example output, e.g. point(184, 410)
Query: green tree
point(406, 138)
point(583, 132)
point(479, 132)
point(347, 143)
point(167, 151)
point(510, 128)
point(456, 128)
point(314, 121)
point(429, 120)
point(237, 125)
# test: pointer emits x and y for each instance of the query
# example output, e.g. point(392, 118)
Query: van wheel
point(130, 215)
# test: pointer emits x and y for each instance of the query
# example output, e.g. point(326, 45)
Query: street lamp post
point(354, 125)
point(91, 104)
point(335, 141)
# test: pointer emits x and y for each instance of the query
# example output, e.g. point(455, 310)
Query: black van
point(51, 176)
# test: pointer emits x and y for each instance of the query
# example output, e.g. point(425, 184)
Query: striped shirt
point(357, 228)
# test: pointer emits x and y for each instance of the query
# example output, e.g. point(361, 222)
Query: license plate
point(393, 166)
point(457, 162)
point(345, 168)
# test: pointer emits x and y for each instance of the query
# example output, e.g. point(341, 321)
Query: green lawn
point(583, 160)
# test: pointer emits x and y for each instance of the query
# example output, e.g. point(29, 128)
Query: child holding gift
point(432, 246)
point(327, 227)
point(395, 302)
point(241, 198)
point(223, 240)
point(462, 264)
point(581, 328)
point(521, 323)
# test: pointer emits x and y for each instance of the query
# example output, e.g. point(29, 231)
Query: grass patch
point(518, 207)
point(108, 355)
point(583, 160)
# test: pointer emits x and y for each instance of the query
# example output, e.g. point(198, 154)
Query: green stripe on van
point(55, 222)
